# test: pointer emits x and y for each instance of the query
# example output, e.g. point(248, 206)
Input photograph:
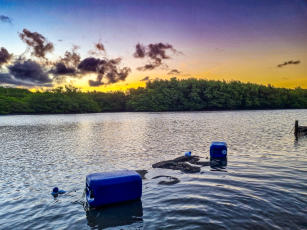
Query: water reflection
point(218, 163)
point(264, 186)
point(299, 140)
point(115, 215)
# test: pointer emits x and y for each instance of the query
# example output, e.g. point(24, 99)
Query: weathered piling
point(299, 130)
point(296, 128)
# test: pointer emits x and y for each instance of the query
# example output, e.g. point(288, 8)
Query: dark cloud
point(139, 51)
point(145, 78)
point(99, 50)
point(115, 61)
point(71, 58)
point(68, 64)
point(27, 72)
point(5, 56)
point(91, 64)
point(37, 42)
point(105, 69)
point(8, 79)
point(30, 72)
point(156, 53)
point(99, 46)
point(5, 19)
point(158, 50)
point(148, 67)
point(289, 63)
point(61, 69)
point(174, 72)
point(116, 75)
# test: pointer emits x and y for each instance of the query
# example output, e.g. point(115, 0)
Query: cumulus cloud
point(5, 19)
point(8, 79)
point(116, 75)
point(72, 57)
point(105, 69)
point(61, 69)
point(289, 63)
point(67, 65)
point(155, 53)
point(174, 72)
point(37, 42)
point(139, 51)
point(91, 64)
point(26, 73)
point(158, 50)
point(31, 71)
point(5, 56)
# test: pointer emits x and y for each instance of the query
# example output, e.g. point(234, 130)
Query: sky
point(117, 44)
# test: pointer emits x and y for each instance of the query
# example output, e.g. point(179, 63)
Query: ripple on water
point(263, 186)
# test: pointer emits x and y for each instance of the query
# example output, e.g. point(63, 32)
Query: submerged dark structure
point(191, 164)
point(299, 130)
point(170, 180)
point(185, 164)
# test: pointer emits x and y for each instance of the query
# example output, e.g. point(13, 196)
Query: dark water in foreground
point(263, 187)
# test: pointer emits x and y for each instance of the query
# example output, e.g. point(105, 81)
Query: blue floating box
point(218, 150)
point(113, 187)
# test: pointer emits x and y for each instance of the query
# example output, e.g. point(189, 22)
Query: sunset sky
point(259, 41)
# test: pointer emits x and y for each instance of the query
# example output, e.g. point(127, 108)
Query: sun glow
point(113, 87)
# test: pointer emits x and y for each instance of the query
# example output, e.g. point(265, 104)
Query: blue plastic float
point(218, 150)
point(56, 191)
point(113, 187)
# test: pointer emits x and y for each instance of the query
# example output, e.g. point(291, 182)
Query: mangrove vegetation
point(158, 95)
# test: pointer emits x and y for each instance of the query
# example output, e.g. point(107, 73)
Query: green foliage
point(12, 100)
point(193, 94)
point(110, 102)
point(158, 95)
point(9, 105)
point(14, 92)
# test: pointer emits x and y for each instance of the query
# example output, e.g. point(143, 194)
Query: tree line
point(158, 95)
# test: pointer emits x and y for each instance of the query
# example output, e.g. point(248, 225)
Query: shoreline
point(171, 111)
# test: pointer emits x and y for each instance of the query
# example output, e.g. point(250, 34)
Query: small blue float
point(113, 187)
point(218, 150)
point(56, 191)
point(188, 154)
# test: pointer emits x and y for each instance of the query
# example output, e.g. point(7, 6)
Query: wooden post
point(296, 129)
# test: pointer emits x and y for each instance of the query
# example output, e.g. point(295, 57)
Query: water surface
point(264, 185)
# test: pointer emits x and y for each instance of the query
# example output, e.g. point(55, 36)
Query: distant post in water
point(296, 129)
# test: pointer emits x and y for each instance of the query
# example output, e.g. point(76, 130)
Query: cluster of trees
point(158, 95)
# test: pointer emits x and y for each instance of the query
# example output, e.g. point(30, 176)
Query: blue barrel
point(218, 150)
point(113, 187)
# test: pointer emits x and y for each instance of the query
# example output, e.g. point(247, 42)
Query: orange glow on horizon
point(123, 86)
point(114, 87)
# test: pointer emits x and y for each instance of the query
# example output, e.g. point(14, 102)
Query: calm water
point(264, 185)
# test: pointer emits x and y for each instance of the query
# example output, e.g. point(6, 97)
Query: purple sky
point(231, 39)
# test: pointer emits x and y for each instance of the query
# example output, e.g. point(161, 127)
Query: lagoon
point(263, 186)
